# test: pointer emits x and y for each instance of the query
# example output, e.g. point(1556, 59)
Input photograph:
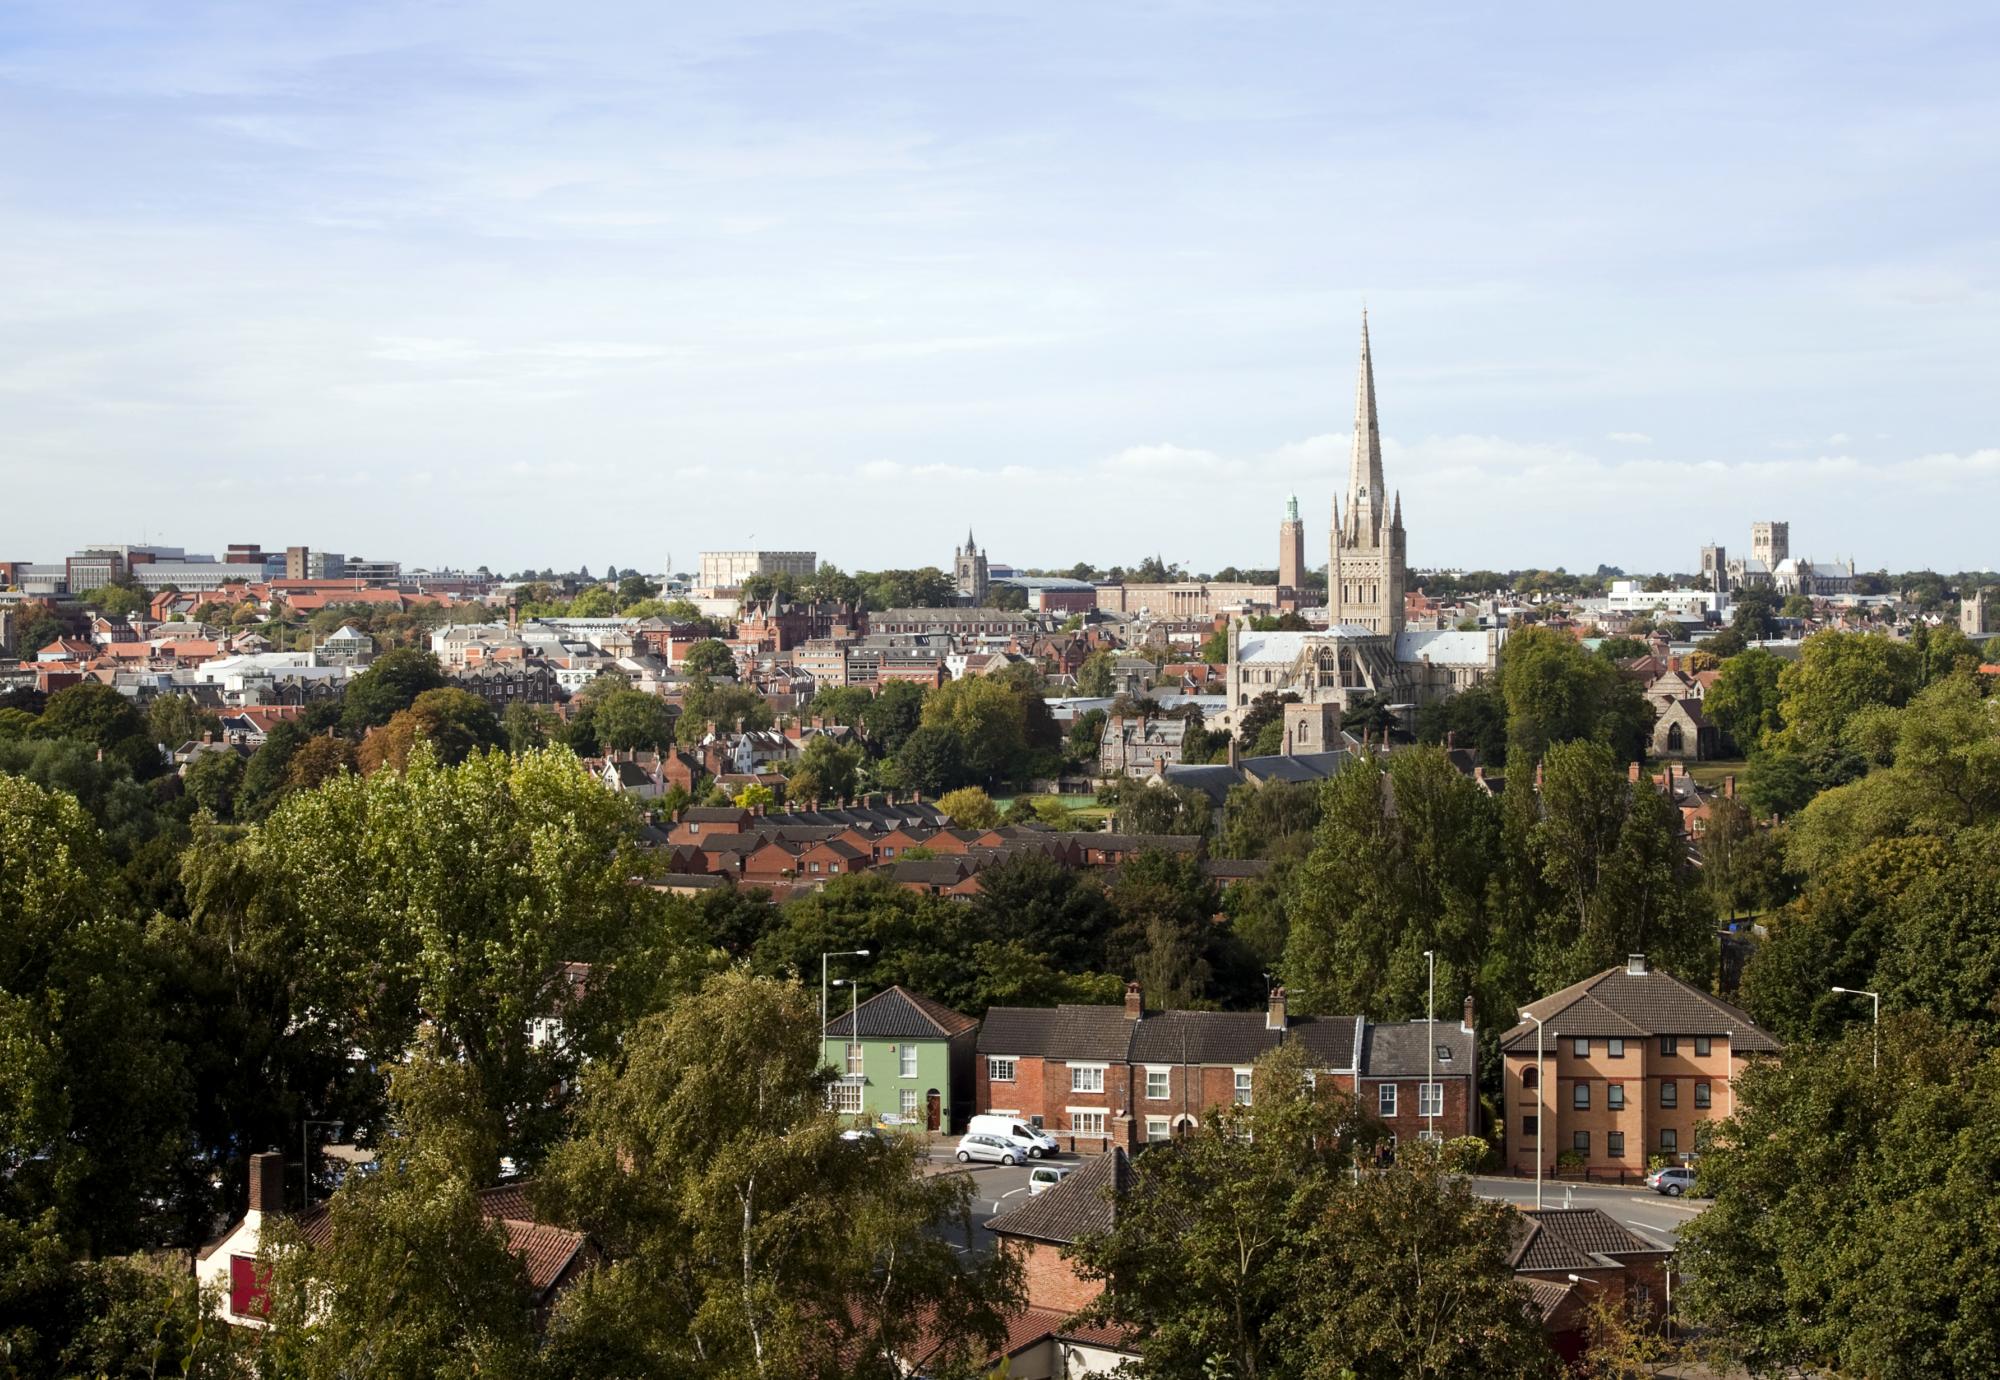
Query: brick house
point(1633, 1063)
point(1571, 1257)
point(1038, 1230)
point(1107, 1076)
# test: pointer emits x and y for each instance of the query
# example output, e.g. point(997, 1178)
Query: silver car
point(1672, 1181)
point(979, 1146)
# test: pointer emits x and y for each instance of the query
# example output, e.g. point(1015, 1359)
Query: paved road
point(1650, 1214)
point(995, 1188)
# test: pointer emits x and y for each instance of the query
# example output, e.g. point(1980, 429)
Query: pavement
point(1652, 1215)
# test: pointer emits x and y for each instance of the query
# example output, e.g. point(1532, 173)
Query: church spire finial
point(1364, 483)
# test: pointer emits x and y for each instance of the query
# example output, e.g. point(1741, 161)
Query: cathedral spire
point(1365, 486)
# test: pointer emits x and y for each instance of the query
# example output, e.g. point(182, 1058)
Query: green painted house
point(905, 1061)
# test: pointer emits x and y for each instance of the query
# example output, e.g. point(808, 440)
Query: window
point(1158, 1129)
point(1580, 1097)
point(1702, 1045)
point(1086, 1123)
point(1614, 1097)
point(1614, 1145)
point(1670, 1045)
point(1430, 1099)
point(1670, 1094)
point(1670, 1140)
point(1580, 1142)
point(906, 1061)
point(1531, 1077)
point(1243, 1087)
point(1614, 1049)
point(1530, 1125)
point(1444, 1054)
point(1580, 1047)
point(999, 1069)
point(249, 1291)
point(1087, 1078)
point(854, 1058)
point(1157, 1081)
point(906, 1101)
point(1701, 1095)
point(1675, 743)
point(847, 1095)
point(1385, 1099)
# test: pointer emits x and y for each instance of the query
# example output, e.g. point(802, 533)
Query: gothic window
point(1674, 739)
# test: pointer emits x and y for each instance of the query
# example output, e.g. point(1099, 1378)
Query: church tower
point(1367, 574)
point(1291, 547)
point(968, 568)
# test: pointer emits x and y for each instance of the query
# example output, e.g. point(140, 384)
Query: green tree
point(990, 721)
point(932, 760)
point(391, 684)
point(1094, 676)
point(708, 658)
point(893, 715)
point(707, 1166)
point(96, 714)
point(1838, 674)
point(1556, 693)
point(630, 718)
point(595, 602)
point(1475, 718)
point(177, 719)
point(456, 723)
point(1744, 701)
point(970, 808)
point(213, 780)
point(826, 770)
point(1847, 1229)
point(526, 727)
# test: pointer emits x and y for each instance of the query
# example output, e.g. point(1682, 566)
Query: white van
point(1015, 1132)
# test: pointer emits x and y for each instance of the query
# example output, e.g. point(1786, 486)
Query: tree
point(932, 760)
point(970, 808)
point(629, 718)
point(1753, 617)
point(1744, 701)
point(410, 1280)
point(1265, 821)
point(893, 715)
point(1797, 606)
point(464, 891)
point(96, 714)
point(456, 723)
point(1475, 717)
point(1245, 1247)
point(1556, 693)
point(320, 760)
point(1836, 675)
point(708, 659)
point(1844, 1230)
point(391, 683)
point(826, 770)
point(707, 1166)
point(1164, 933)
point(990, 721)
point(1265, 716)
point(177, 719)
point(213, 780)
point(595, 602)
point(1094, 676)
point(526, 727)
point(1617, 649)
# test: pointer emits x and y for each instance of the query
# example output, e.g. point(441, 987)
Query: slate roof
point(898, 1013)
point(1202, 1037)
point(1099, 1033)
point(1085, 1202)
point(1617, 1002)
point(1105, 1034)
point(1398, 1049)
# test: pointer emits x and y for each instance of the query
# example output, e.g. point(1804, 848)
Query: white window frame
point(906, 1102)
point(1081, 1119)
point(1430, 1099)
point(994, 1062)
point(1385, 1100)
point(1159, 1128)
point(906, 1061)
point(1243, 1086)
point(847, 1096)
point(1083, 1076)
point(856, 1059)
point(1165, 1074)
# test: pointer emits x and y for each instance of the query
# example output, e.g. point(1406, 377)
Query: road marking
point(1012, 1191)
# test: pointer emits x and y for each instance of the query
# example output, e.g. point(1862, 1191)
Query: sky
point(525, 284)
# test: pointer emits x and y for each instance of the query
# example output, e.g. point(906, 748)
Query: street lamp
point(1541, 1101)
point(1430, 1048)
point(1876, 998)
point(838, 953)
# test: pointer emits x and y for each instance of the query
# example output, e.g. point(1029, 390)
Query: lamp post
point(1430, 1048)
point(1876, 999)
point(1541, 1100)
point(838, 953)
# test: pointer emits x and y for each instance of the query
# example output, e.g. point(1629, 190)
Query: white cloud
point(1629, 438)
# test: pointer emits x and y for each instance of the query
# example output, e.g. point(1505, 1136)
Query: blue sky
point(596, 282)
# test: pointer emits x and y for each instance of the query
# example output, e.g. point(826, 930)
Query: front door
point(931, 1110)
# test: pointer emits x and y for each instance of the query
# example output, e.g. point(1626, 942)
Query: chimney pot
point(1135, 1005)
point(1274, 1017)
point(1471, 1014)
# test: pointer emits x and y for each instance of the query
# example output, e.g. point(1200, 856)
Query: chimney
point(1135, 1006)
point(1635, 964)
point(1729, 786)
point(1478, 773)
point(1274, 1016)
point(1450, 739)
point(1471, 1012)
point(267, 1182)
point(1232, 750)
point(1632, 773)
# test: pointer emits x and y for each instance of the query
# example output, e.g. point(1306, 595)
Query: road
point(1652, 1215)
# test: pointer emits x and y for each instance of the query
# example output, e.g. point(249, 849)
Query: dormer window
point(1444, 1054)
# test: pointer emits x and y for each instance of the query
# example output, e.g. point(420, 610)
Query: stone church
point(1365, 649)
point(968, 569)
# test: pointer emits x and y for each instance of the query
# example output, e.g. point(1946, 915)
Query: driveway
point(1652, 1215)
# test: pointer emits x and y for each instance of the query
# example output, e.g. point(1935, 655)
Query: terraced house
point(904, 1061)
point(1101, 1077)
point(1631, 1064)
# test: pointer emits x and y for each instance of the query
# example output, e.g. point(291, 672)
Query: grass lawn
point(1711, 773)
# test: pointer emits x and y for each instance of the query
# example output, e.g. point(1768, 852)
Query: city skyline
point(384, 280)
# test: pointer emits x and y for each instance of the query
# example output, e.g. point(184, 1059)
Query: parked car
point(1672, 1181)
point(863, 1135)
point(1031, 1142)
point(975, 1145)
point(1044, 1177)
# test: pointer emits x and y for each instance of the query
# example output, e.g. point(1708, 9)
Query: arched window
point(1674, 739)
point(1530, 1078)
